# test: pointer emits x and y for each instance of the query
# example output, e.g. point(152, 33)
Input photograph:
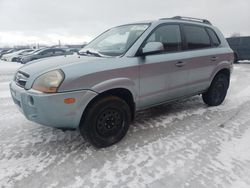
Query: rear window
point(214, 37)
point(196, 37)
point(233, 41)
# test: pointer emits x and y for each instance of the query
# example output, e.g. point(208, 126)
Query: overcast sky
point(76, 21)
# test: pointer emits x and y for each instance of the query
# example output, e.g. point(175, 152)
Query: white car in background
point(15, 55)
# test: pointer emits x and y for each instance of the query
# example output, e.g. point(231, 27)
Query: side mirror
point(152, 48)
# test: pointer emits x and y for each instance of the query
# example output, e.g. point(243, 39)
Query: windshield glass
point(115, 41)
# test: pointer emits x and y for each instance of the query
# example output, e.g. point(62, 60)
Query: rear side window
point(169, 36)
point(196, 37)
point(214, 37)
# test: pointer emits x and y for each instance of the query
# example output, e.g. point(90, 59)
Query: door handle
point(180, 64)
point(214, 58)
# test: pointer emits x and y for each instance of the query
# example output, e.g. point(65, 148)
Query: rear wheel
point(236, 59)
point(217, 90)
point(106, 122)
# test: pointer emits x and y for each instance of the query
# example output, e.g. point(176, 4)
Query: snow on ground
point(7, 69)
point(185, 144)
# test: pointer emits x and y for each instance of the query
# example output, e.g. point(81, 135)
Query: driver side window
point(169, 36)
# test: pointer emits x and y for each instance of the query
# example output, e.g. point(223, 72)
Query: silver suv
point(126, 69)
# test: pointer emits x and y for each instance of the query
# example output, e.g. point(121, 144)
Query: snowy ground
point(185, 144)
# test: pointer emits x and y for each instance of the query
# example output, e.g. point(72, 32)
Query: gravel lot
point(185, 144)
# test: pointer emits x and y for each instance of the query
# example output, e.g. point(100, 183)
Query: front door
point(163, 76)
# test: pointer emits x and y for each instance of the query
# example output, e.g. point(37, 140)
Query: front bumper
point(50, 109)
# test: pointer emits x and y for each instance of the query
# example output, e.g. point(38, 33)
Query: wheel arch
point(122, 93)
point(224, 71)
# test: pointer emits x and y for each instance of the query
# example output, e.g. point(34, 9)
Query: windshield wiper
point(91, 52)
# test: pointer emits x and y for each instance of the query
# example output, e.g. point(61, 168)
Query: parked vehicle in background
point(241, 47)
point(73, 50)
point(3, 51)
point(8, 51)
point(43, 53)
point(126, 69)
point(14, 55)
point(18, 59)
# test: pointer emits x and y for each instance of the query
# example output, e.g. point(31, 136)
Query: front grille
point(21, 78)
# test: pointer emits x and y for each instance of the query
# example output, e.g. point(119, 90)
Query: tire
point(217, 91)
point(106, 122)
point(236, 59)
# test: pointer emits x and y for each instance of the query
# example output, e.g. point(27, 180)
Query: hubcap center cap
point(109, 122)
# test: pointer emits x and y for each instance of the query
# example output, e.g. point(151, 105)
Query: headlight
point(49, 82)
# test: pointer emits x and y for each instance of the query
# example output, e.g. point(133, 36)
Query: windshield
point(115, 41)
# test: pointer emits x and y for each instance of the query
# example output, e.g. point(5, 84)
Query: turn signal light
point(69, 100)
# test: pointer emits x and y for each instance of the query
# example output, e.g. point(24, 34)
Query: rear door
point(163, 76)
point(202, 58)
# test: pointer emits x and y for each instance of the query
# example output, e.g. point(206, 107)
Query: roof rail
point(189, 19)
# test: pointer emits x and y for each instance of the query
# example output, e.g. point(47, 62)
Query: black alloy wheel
point(106, 121)
point(217, 91)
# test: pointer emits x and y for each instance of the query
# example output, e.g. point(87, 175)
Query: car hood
point(41, 66)
point(77, 69)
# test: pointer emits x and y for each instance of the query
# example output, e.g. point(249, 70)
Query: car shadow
point(54, 150)
point(161, 116)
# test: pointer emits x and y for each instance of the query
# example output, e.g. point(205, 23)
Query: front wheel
point(217, 91)
point(106, 122)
